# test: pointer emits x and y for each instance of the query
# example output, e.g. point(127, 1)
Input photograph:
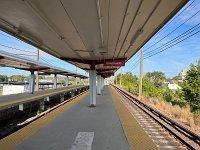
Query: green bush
point(168, 95)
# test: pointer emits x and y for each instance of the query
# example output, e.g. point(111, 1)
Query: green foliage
point(18, 78)
point(191, 87)
point(41, 77)
point(61, 81)
point(149, 88)
point(129, 81)
point(174, 98)
point(49, 78)
point(156, 77)
point(3, 78)
point(175, 78)
point(179, 99)
point(168, 95)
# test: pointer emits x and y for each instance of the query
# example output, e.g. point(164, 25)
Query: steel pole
point(121, 77)
point(37, 75)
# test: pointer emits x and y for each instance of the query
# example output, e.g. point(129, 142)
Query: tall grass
point(182, 114)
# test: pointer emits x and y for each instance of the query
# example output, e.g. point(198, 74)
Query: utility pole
point(75, 79)
point(37, 75)
point(121, 78)
point(141, 72)
point(116, 79)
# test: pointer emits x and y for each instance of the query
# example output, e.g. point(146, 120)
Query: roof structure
point(87, 33)
point(18, 62)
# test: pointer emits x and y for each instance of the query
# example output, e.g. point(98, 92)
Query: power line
point(173, 30)
point(135, 64)
point(46, 60)
point(174, 19)
point(179, 37)
point(134, 58)
point(17, 49)
point(172, 45)
point(169, 46)
point(22, 50)
point(25, 55)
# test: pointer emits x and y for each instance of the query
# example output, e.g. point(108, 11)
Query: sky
point(178, 57)
point(171, 61)
point(8, 40)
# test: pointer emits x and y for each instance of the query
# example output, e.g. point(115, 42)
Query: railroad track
point(19, 124)
point(183, 138)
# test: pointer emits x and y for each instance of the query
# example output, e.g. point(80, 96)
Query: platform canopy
point(18, 62)
point(91, 34)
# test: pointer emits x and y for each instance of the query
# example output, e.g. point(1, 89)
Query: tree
point(179, 99)
point(168, 95)
point(156, 77)
point(18, 78)
point(129, 82)
point(3, 78)
point(175, 78)
point(41, 77)
point(128, 77)
point(191, 87)
point(150, 89)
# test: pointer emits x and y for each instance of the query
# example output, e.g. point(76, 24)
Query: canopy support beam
point(92, 77)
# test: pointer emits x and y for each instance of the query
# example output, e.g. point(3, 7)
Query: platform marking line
point(83, 141)
point(35, 97)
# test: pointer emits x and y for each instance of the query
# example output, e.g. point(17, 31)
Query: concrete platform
point(12, 99)
point(61, 133)
point(75, 126)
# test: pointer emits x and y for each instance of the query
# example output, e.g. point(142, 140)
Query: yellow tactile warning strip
point(35, 97)
point(136, 136)
point(17, 137)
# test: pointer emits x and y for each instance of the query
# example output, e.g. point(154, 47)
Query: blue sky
point(170, 61)
point(8, 40)
point(176, 58)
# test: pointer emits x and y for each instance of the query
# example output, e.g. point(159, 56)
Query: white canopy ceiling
point(87, 29)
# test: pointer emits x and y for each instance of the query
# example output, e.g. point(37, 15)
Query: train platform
point(15, 99)
point(75, 126)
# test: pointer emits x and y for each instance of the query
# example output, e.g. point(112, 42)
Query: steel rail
point(25, 123)
point(172, 123)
